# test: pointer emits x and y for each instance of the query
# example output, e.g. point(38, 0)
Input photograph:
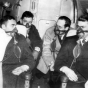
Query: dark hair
point(83, 17)
point(6, 18)
point(27, 14)
point(67, 20)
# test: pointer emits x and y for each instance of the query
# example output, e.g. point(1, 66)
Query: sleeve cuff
point(25, 67)
point(63, 69)
point(37, 49)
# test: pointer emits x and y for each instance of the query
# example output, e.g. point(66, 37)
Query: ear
point(66, 28)
point(3, 26)
point(21, 21)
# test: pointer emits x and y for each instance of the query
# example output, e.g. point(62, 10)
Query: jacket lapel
point(8, 51)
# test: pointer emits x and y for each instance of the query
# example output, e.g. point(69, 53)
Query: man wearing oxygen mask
point(74, 63)
point(53, 41)
point(32, 37)
point(15, 55)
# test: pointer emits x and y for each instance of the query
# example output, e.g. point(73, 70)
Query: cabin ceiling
point(83, 3)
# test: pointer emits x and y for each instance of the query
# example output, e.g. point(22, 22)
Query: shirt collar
point(84, 38)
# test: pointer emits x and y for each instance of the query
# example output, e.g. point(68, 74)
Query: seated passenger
point(15, 56)
point(33, 36)
point(52, 42)
point(72, 59)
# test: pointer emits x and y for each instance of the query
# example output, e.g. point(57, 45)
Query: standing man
point(33, 37)
point(15, 55)
point(74, 63)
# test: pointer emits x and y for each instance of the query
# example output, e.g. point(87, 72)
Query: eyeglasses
point(60, 27)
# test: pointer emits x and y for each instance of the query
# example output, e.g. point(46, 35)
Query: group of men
point(57, 51)
point(17, 53)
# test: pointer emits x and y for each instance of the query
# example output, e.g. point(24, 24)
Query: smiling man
point(53, 40)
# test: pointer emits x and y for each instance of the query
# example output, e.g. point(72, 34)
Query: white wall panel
point(25, 6)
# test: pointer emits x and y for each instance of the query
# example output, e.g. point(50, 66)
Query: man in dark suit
point(33, 37)
point(72, 59)
point(15, 55)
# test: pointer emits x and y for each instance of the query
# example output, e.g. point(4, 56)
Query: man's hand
point(20, 69)
point(86, 84)
point(69, 73)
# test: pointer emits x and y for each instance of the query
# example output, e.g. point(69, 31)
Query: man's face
point(60, 28)
point(26, 21)
point(82, 28)
point(10, 25)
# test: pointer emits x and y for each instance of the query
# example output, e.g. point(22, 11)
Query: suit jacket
point(65, 58)
point(34, 37)
point(11, 61)
point(81, 64)
point(65, 55)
